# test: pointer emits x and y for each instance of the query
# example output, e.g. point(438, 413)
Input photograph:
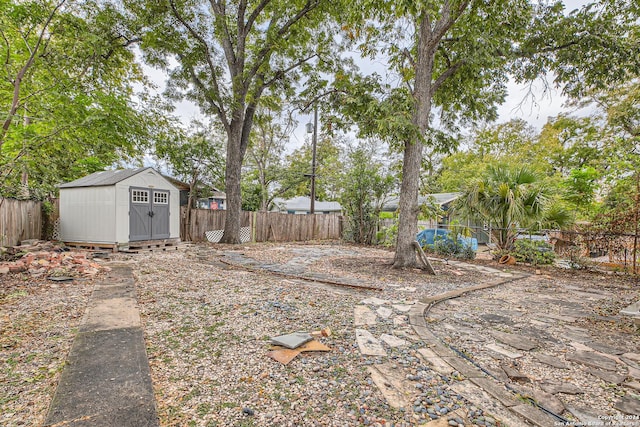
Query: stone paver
point(557, 309)
point(393, 341)
point(368, 344)
point(551, 361)
point(516, 341)
point(591, 359)
point(363, 315)
point(384, 312)
point(505, 352)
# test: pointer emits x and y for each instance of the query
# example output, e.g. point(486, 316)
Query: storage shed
point(119, 209)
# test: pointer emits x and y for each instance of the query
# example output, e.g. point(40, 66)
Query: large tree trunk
point(238, 141)
point(232, 184)
point(408, 205)
point(408, 225)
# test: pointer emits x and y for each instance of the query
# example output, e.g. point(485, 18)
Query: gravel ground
point(207, 327)
point(208, 330)
point(38, 321)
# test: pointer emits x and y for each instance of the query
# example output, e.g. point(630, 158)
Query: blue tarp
point(428, 236)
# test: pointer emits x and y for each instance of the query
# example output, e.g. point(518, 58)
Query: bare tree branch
point(215, 103)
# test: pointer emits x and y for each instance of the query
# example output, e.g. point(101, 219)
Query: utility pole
point(314, 143)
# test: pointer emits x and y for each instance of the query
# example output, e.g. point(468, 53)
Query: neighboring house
point(217, 201)
point(182, 186)
point(115, 208)
point(446, 202)
point(443, 200)
point(302, 205)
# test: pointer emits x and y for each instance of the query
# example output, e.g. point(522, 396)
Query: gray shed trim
point(104, 178)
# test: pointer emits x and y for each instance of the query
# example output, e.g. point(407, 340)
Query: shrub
point(388, 235)
point(450, 248)
point(534, 252)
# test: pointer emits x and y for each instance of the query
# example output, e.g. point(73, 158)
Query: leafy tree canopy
point(67, 94)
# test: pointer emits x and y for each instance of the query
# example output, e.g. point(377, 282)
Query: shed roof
point(104, 178)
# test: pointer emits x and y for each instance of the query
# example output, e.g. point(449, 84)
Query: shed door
point(160, 215)
point(148, 214)
point(139, 214)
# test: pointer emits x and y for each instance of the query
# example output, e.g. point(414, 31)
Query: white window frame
point(139, 196)
point(163, 199)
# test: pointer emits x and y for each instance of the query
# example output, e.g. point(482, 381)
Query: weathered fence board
point(267, 226)
point(19, 220)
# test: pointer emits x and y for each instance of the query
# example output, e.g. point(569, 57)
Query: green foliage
point(580, 189)
point(452, 248)
point(196, 158)
point(591, 48)
point(387, 235)
point(265, 170)
point(294, 179)
point(365, 188)
point(507, 198)
point(536, 252)
point(66, 98)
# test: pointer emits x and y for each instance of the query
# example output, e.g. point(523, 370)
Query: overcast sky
point(534, 103)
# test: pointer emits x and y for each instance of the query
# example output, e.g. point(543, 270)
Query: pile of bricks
point(43, 258)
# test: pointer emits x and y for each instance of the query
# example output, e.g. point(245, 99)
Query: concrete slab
point(585, 416)
point(564, 388)
point(111, 313)
point(106, 378)
point(551, 361)
point(464, 367)
point(604, 348)
point(629, 405)
point(480, 398)
point(391, 383)
point(608, 376)
point(495, 390)
point(402, 308)
point(534, 415)
point(435, 362)
point(293, 340)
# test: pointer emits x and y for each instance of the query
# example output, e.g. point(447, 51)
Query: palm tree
point(507, 197)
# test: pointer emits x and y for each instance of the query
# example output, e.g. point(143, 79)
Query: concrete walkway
point(107, 381)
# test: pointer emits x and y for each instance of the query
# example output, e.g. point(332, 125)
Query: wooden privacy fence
point(266, 226)
point(19, 220)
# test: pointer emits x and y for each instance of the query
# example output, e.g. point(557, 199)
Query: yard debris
point(326, 332)
point(293, 340)
point(40, 258)
point(286, 355)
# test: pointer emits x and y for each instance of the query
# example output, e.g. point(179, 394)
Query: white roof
point(303, 204)
point(440, 199)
